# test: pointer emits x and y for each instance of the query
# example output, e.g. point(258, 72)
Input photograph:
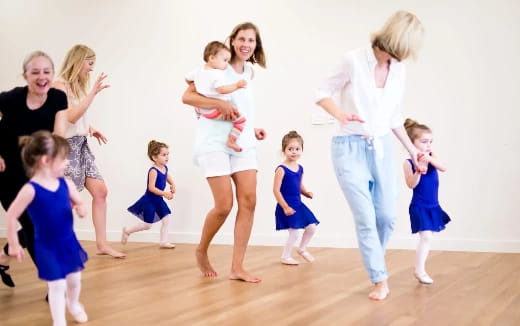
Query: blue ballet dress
point(56, 248)
point(151, 208)
point(425, 212)
point(291, 192)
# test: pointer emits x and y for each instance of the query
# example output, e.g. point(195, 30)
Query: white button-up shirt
point(354, 78)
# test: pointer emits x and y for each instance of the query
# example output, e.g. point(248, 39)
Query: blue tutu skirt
point(150, 209)
point(298, 220)
point(56, 258)
point(428, 218)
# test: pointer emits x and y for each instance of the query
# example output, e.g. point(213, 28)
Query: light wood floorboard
point(163, 287)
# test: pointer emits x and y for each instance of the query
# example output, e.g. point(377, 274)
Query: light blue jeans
point(369, 185)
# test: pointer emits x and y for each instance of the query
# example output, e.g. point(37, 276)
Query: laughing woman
point(25, 110)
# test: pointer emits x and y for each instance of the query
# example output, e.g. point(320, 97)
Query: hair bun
point(408, 123)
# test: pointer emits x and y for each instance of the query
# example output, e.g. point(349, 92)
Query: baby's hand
point(241, 83)
point(168, 195)
point(289, 211)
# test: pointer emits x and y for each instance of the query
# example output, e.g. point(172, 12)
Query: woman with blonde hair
point(74, 81)
point(371, 81)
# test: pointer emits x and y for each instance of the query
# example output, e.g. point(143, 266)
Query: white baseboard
point(278, 239)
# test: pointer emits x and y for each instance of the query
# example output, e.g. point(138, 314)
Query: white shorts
point(217, 164)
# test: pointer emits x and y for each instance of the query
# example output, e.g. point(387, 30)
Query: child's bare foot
point(203, 264)
point(166, 245)
point(231, 143)
point(244, 276)
point(106, 250)
point(380, 292)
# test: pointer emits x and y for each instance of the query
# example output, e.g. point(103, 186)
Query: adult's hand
point(228, 111)
point(2, 164)
point(98, 85)
point(98, 135)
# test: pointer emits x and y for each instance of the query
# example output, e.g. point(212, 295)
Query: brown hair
point(414, 129)
point(154, 148)
point(259, 55)
point(290, 136)
point(212, 49)
point(39, 144)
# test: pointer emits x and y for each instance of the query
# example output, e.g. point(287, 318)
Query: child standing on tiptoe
point(151, 207)
point(291, 214)
point(426, 215)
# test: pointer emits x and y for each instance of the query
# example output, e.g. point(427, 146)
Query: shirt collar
point(371, 58)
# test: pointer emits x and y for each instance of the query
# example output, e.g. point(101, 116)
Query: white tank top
point(80, 127)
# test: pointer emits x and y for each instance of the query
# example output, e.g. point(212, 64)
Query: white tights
point(64, 292)
point(293, 236)
point(423, 248)
point(146, 226)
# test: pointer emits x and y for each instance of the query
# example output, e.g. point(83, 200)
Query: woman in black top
point(24, 110)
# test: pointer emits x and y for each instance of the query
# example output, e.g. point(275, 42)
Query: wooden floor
point(163, 287)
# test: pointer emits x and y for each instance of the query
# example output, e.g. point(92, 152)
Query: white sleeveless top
point(81, 127)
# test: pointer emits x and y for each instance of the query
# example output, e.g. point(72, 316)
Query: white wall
point(464, 86)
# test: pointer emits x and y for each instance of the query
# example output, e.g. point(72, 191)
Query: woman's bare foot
point(244, 276)
point(231, 143)
point(106, 250)
point(203, 264)
point(380, 291)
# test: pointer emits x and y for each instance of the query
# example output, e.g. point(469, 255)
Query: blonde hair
point(39, 144)
point(72, 65)
point(290, 136)
point(154, 148)
point(414, 129)
point(401, 36)
point(258, 55)
point(35, 54)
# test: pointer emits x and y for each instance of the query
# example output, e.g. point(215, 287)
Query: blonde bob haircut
point(401, 36)
point(72, 65)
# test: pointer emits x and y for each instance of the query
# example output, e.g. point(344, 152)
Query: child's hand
point(422, 164)
point(81, 210)
point(16, 251)
point(308, 194)
point(289, 211)
point(241, 83)
point(260, 133)
point(168, 195)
